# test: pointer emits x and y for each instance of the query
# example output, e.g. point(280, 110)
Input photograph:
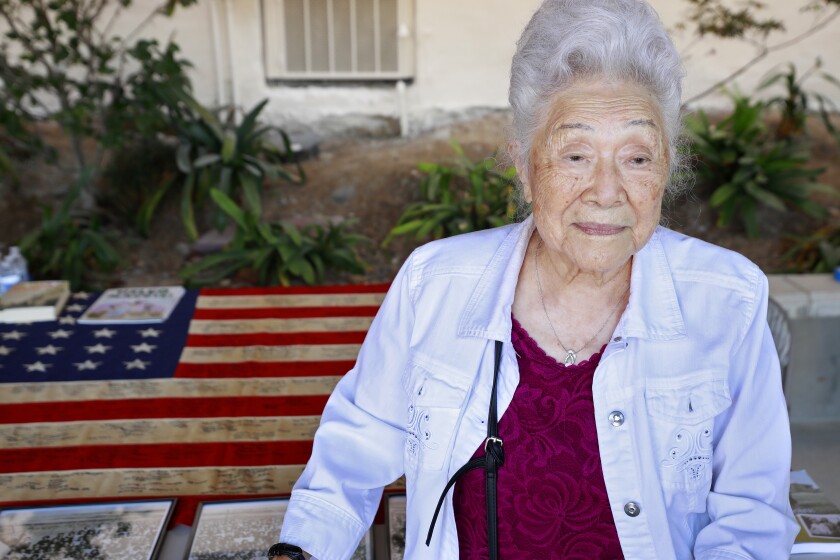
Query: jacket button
point(617, 339)
point(616, 418)
point(632, 509)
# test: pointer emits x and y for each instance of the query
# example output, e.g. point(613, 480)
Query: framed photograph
point(110, 531)
point(244, 530)
point(395, 518)
point(821, 525)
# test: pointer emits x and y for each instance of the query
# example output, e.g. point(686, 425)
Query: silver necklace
point(571, 355)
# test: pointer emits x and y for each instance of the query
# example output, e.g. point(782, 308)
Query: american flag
point(219, 402)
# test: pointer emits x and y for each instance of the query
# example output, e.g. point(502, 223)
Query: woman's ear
point(521, 170)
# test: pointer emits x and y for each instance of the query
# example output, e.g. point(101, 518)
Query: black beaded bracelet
point(290, 550)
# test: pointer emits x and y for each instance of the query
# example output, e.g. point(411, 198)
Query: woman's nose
point(607, 188)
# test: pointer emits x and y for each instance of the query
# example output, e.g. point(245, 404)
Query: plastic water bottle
point(6, 276)
point(13, 269)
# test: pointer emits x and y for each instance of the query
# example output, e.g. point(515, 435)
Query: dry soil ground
point(371, 180)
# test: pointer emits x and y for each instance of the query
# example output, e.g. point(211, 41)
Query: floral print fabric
point(552, 501)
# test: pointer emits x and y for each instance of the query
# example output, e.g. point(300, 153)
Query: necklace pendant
point(570, 359)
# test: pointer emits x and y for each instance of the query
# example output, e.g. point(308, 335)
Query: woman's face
point(597, 174)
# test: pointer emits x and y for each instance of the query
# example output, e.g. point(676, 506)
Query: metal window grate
point(339, 39)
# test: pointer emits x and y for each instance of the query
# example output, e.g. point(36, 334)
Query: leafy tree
point(59, 60)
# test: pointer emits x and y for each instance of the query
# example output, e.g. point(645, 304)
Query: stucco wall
point(463, 51)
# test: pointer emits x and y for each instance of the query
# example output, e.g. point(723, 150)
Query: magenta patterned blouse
point(552, 499)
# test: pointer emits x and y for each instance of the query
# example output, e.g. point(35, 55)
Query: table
point(219, 402)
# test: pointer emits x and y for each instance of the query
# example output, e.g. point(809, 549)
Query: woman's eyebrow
point(581, 126)
point(642, 122)
point(575, 126)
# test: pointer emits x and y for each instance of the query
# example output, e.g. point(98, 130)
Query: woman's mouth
point(592, 228)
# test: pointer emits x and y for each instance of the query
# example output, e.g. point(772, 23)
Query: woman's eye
point(639, 160)
point(576, 158)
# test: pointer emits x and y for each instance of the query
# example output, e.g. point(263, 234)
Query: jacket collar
point(653, 311)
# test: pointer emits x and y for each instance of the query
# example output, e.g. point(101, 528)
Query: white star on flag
point(136, 364)
point(87, 364)
point(67, 321)
point(48, 349)
point(75, 307)
point(149, 332)
point(13, 335)
point(97, 349)
point(104, 333)
point(60, 333)
point(5, 350)
point(81, 295)
point(37, 366)
point(143, 348)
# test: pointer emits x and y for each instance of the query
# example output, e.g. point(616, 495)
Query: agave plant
point(458, 197)
point(818, 252)
point(69, 247)
point(217, 153)
point(279, 252)
point(797, 101)
point(748, 168)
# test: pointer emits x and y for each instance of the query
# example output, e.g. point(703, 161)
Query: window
point(339, 39)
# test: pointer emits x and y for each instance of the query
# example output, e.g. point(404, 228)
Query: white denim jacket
point(703, 449)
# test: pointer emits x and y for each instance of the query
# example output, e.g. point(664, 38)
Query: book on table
point(133, 305)
point(818, 517)
point(40, 300)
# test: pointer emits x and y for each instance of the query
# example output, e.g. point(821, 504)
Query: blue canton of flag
point(64, 350)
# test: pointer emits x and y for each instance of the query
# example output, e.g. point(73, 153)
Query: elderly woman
point(635, 381)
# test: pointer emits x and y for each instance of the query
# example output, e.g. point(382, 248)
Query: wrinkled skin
point(596, 179)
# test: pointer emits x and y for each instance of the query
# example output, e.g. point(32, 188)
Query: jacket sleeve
point(749, 506)
point(358, 447)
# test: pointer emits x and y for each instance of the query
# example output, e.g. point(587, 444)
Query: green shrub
point(747, 167)
point(797, 102)
point(132, 177)
point(458, 198)
point(818, 252)
point(219, 154)
point(7, 168)
point(278, 252)
point(69, 247)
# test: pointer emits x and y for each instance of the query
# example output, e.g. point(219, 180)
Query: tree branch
point(134, 32)
point(763, 52)
point(106, 31)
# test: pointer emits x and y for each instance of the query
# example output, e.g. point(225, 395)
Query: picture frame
point(395, 521)
point(108, 530)
point(821, 525)
point(244, 530)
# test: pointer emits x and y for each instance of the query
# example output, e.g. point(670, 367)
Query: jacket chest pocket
point(435, 402)
point(682, 411)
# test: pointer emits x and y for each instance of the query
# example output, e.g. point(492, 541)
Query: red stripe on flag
point(275, 339)
point(131, 409)
point(263, 369)
point(166, 455)
point(344, 289)
point(207, 314)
